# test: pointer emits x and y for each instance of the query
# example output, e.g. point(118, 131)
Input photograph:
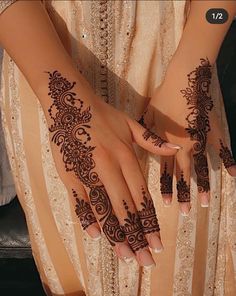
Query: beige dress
point(123, 49)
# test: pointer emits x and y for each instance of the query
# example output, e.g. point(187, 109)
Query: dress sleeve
point(5, 3)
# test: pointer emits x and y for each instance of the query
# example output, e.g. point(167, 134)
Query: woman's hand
point(92, 144)
point(183, 112)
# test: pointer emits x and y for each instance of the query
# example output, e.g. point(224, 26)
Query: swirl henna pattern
point(70, 133)
point(226, 155)
point(200, 104)
point(183, 190)
point(138, 224)
point(83, 211)
point(166, 182)
point(147, 214)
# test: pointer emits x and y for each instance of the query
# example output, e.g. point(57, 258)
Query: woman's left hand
point(183, 112)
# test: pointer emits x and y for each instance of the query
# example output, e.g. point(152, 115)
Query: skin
point(37, 50)
point(169, 107)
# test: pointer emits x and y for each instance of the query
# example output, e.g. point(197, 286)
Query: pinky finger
point(84, 212)
point(226, 156)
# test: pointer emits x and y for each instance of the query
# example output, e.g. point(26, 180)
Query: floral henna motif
point(147, 214)
point(83, 211)
point(133, 230)
point(226, 156)
point(156, 140)
point(166, 182)
point(200, 104)
point(70, 133)
point(183, 190)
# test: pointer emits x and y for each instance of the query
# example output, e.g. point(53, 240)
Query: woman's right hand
point(93, 152)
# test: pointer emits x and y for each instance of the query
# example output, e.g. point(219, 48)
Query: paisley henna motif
point(83, 211)
point(156, 140)
point(166, 182)
point(183, 190)
point(147, 214)
point(226, 156)
point(71, 123)
point(200, 104)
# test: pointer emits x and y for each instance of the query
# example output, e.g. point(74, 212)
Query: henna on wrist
point(183, 190)
point(226, 155)
point(166, 182)
point(200, 104)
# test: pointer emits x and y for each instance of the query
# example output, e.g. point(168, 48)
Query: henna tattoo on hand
point(70, 133)
point(133, 230)
point(200, 104)
point(183, 190)
point(156, 140)
point(226, 155)
point(166, 182)
point(83, 211)
point(147, 214)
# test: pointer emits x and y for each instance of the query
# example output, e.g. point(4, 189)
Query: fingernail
point(232, 171)
point(144, 258)
point(94, 233)
point(167, 202)
point(154, 242)
point(173, 146)
point(124, 252)
point(184, 214)
point(204, 200)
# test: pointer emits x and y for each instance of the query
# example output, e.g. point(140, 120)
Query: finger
point(84, 212)
point(203, 182)
point(166, 179)
point(217, 139)
point(142, 199)
point(126, 213)
point(183, 167)
point(226, 155)
point(151, 141)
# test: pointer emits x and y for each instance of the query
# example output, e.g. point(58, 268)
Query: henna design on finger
point(200, 104)
point(226, 155)
point(133, 230)
point(142, 120)
point(147, 214)
point(83, 211)
point(70, 132)
point(183, 190)
point(166, 182)
point(156, 140)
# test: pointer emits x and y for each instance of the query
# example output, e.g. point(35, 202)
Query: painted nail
point(204, 206)
point(124, 252)
point(173, 146)
point(94, 233)
point(167, 202)
point(204, 199)
point(154, 242)
point(144, 258)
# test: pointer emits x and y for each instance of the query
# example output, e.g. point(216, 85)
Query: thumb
point(151, 141)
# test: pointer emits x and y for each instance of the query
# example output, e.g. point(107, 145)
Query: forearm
point(200, 39)
point(29, 37)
